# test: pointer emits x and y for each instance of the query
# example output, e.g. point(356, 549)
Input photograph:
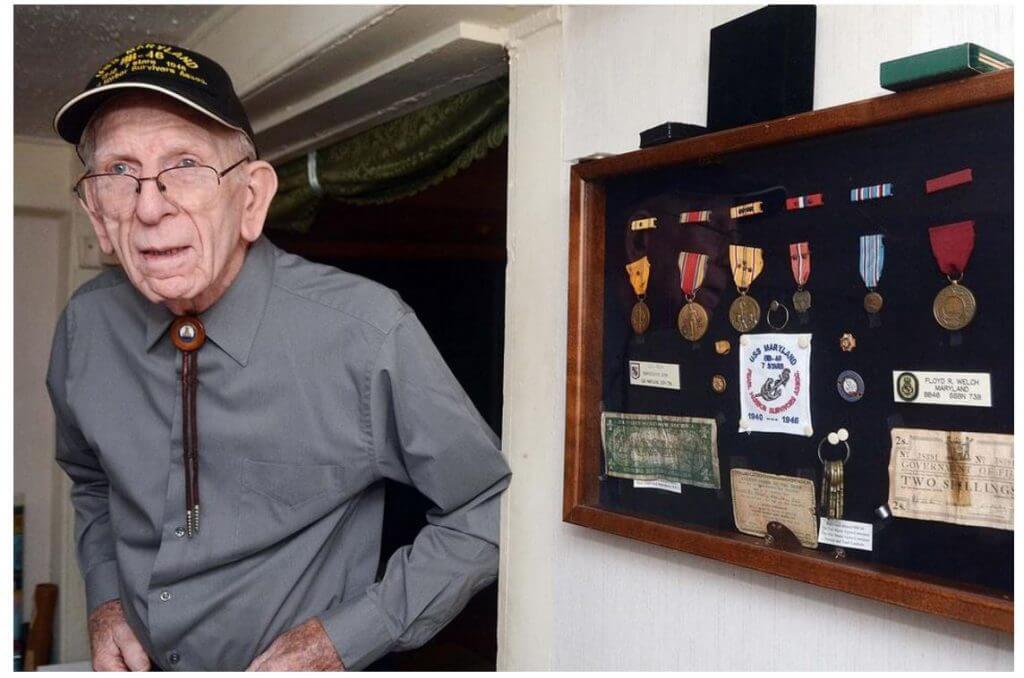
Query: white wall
point(46, 241)
point(574, 598)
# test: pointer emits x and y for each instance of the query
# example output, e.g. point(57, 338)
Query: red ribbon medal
point(693, 319)
point(954, 306)
point(952, 245)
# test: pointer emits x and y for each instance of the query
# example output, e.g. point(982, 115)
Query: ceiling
point(58, 48)
point(308, 75)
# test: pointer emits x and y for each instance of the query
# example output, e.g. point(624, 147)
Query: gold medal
point(954, 307)
point(640, 317)
point(718, 384)
point(872, 257)
point(693, 321)
point(747, 263)
point(744, 313)
point(639, 273)
point(873, 302)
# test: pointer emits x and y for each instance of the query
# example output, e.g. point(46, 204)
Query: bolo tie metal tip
point(195, 519)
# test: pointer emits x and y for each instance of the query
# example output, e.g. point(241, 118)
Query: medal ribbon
point(872, 257)
point(639, 272)
point(746, 263)
point(692, 267)
point(952, 245)
point(800, 262)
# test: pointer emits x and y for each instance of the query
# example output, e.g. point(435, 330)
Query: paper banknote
point(659, 447)
point(956, 477)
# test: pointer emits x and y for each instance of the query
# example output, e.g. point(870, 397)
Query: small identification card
point(971, 389)
point(845, 533)
point(658, 375)
point(666, 485)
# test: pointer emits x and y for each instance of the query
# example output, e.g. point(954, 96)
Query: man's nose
point(151, 204)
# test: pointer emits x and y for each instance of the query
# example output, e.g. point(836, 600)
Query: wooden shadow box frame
point(584, 361)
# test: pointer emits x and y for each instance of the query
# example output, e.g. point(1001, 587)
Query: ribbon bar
point(750, 209)
point(870, 192)
point(964, 176)
point(805, 201)
point(952, 245)
point(697, 217)
point(643, 224)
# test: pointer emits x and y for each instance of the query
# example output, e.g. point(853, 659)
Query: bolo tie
point(188, 336)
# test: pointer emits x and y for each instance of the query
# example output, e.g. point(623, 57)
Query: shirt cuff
point(101, 584)
point(360, 632)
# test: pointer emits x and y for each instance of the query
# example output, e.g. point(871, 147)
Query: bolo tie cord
point(188, 336)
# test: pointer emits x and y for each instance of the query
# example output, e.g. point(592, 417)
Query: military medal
point(693, 319)
point(952, 244)
point(800, 262)
point(639, 273)
point(746, 263)
point(872, 257)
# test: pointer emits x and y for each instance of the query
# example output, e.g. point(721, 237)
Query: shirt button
point(165, 596)
point(179, 531)
point(174, 657)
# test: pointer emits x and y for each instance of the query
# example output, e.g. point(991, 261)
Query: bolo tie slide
point(188, 336)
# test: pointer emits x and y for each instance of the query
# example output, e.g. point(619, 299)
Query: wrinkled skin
point(307, 647)
point(114, 645)
point(182, 259)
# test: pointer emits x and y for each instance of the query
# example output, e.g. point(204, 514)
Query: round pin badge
point(850, 386)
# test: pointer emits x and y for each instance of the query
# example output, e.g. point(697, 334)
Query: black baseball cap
point(191, 78)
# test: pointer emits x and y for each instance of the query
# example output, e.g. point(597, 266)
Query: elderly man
point(227, 412)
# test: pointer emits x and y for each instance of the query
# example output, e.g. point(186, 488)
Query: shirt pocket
point(291, 485)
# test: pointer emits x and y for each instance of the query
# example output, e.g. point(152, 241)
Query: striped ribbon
point(692, 267)
point(870, 192)
point(747, 210)
point(872, 257)
point(639, 272)
point(803, 201)
point(800, 262)
point(746, 263)
point(698, 217)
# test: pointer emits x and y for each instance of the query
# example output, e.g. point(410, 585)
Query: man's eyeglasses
point(115, 195)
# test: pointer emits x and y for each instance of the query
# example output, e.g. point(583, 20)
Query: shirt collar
point(231, 323)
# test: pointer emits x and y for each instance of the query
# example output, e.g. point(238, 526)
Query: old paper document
point(760, 498)
point(955, 477)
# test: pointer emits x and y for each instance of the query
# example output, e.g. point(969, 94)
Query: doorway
point(443, 250)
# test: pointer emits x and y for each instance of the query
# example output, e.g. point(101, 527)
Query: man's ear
point(260, 190)
point(99, 227)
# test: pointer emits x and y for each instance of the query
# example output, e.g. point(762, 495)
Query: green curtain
point(396, 159)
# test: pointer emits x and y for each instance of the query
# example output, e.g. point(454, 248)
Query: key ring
point(775, 306)
point(822, 460)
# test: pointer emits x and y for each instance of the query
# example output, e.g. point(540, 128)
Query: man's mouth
point(155, 254)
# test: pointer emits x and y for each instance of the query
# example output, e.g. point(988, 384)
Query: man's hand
point(307, 647)
point(114, 645)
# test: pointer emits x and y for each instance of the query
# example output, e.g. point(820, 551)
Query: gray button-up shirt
point(314, 385)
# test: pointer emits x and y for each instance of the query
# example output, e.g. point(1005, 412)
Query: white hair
point(236, 142)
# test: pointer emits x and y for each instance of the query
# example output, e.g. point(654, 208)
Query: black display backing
point(906, 154)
